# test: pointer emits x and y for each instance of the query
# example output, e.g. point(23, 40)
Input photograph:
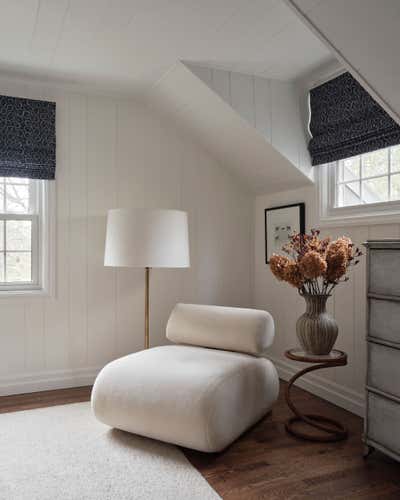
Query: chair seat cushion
point(191, 396)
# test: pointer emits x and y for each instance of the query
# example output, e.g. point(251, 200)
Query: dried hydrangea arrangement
point(315, 266)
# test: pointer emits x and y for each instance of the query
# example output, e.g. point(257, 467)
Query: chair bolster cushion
point(249, 331)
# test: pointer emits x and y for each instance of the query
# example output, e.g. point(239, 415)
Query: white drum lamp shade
point(147, 238)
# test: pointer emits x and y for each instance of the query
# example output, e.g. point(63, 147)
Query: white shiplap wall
point(343, 385)
point(116, 153)
point(272, 107)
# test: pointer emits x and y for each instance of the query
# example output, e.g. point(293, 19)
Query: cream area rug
point(63, 452)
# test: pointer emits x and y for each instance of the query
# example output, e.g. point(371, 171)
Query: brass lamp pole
point(147, 310)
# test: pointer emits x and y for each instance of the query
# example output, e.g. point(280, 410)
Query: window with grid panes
point(368, 178)
point(20, 221)
point(363, 185)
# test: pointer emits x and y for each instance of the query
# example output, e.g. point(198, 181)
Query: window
point(23, 234)
point(366, 185)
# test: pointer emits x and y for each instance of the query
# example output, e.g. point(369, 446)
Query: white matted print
point(280, 223)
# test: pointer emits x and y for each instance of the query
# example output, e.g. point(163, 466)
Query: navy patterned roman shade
point(27, 138)
point(346, 121)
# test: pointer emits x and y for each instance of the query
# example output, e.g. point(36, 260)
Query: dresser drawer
point(384, 422)
point(384, 368)
point(384, 320)
point(384, 275)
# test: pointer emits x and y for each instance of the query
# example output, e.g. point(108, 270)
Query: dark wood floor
point(267, 463)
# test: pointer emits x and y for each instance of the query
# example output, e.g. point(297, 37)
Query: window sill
point(359, 219)
point(28, 293)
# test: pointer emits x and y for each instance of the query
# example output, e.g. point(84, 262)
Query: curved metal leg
point(331, 430)
point(368, 449)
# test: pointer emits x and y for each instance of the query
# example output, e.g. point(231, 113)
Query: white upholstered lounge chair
point(203, 391)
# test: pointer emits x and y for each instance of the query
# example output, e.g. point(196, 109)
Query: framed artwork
point(280, 223)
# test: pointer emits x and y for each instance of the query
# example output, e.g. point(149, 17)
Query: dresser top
point(384, 243)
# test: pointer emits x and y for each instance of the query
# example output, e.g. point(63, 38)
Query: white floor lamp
point(147, 238)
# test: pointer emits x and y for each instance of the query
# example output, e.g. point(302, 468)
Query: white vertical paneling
point(167, 284)
point(133, 139)
point(221, 84)
point(117, 153)
point(34, 327)
point(171, 167)
point(209, 235)
point(130, 163)
point(262, 100)
point(284, 114)
point(149, 152)
point(12, 337)
point(384, 231)
point(359, 280)
point(101, 196)
point(242, 96)
point(189, 202)
point(78, 229)
point(56, 308)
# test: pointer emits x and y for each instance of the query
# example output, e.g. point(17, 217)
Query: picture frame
point(279, 223)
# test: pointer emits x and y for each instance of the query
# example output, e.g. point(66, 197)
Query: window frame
point(42, 245)
point(363, 214)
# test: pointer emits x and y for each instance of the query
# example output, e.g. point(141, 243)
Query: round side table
point(329, 429)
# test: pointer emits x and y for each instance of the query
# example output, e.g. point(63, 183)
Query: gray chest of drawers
point(382, 419)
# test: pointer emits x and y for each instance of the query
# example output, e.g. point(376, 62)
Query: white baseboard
point(334, 393)
point(47, 380)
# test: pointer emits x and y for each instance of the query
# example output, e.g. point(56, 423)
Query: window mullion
point(332, 184)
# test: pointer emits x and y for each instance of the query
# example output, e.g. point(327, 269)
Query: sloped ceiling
point(365, 37)
point(187, 100)
point(127, 45)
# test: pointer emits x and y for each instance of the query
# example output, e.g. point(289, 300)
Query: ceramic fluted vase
point(316, 330)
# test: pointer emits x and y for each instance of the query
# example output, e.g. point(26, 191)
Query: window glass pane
point(2, 197)
point(395, 187)
point(339, 195)
point(18, 266)
point(1, 235)
point(375, 163)
point(18, 234)
point(349, 194)
point(375, 190)
point(349, 169)
point(17, 198)
point(395, 159)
